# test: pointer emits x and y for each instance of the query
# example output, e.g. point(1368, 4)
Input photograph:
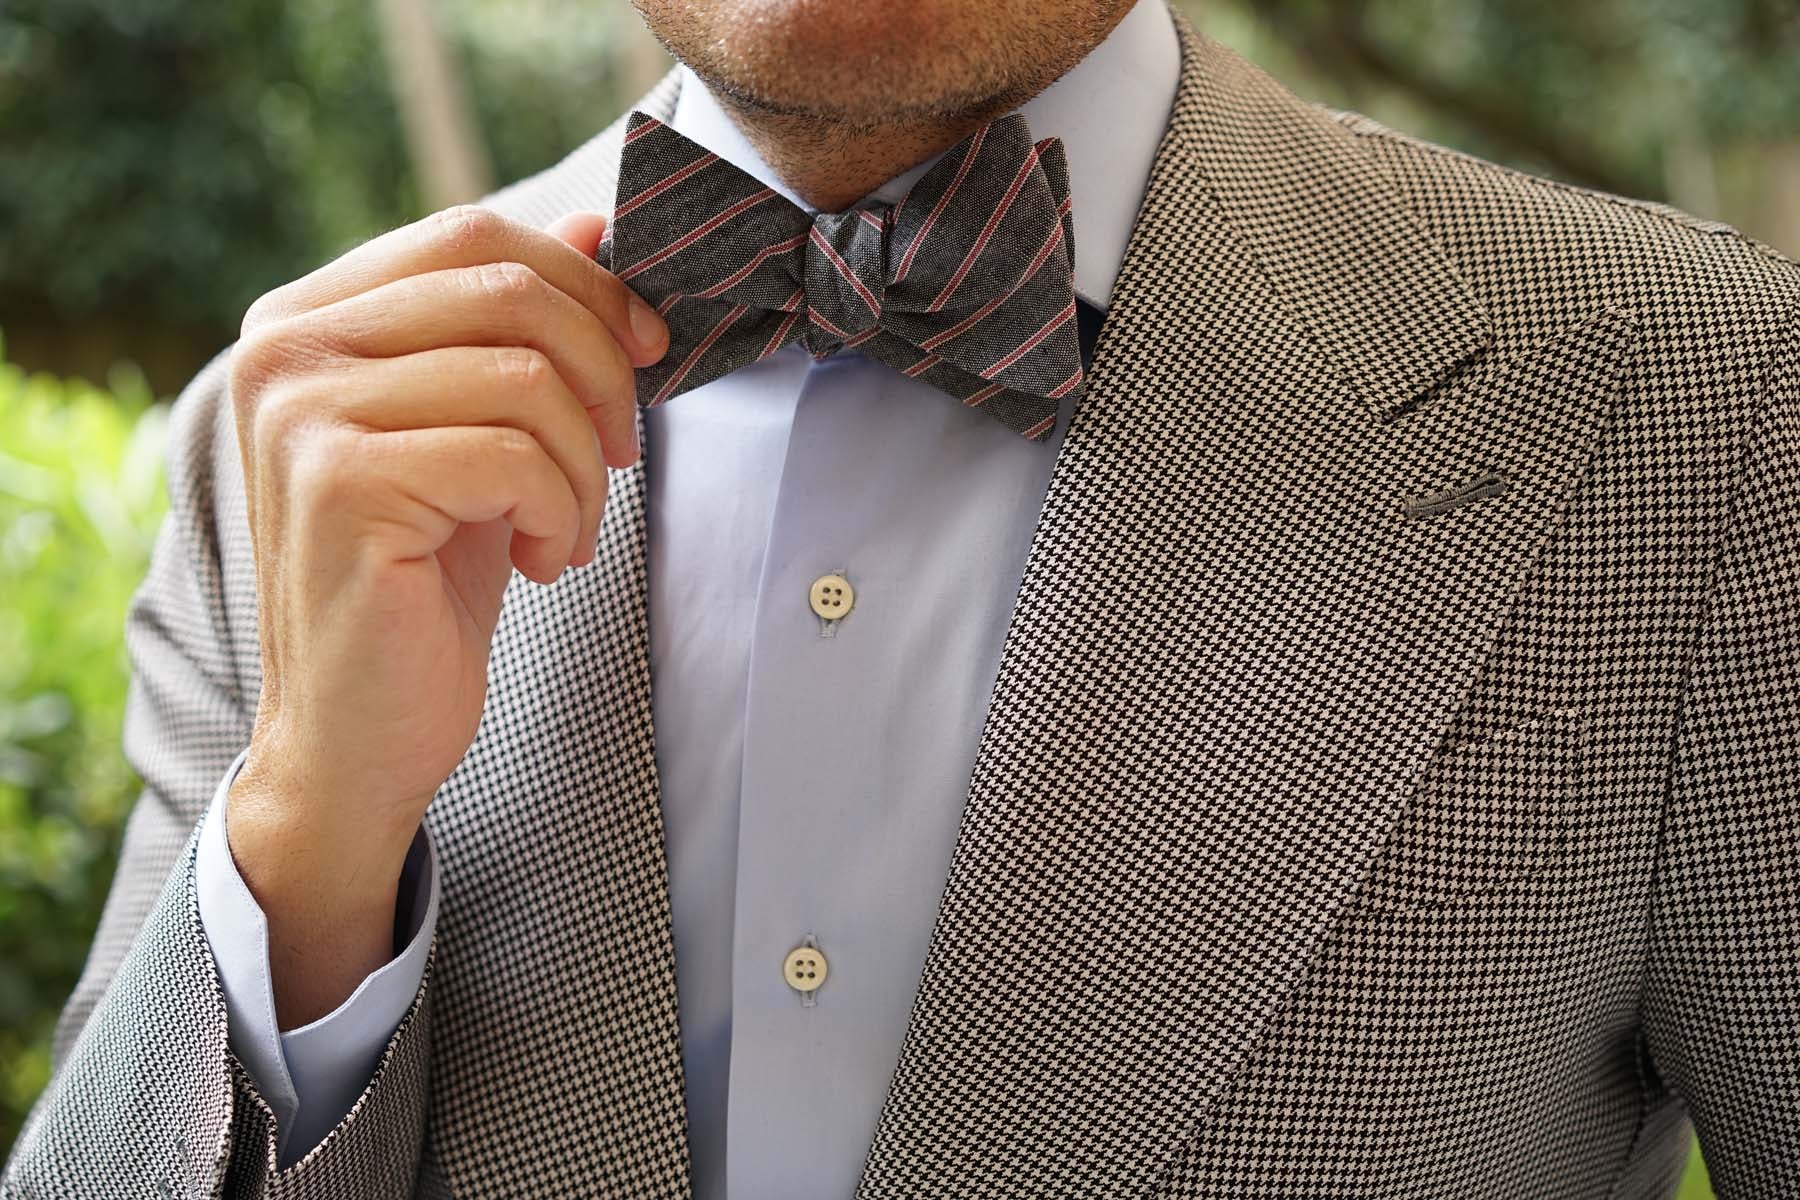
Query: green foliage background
point(81, 494)
point(163, 162)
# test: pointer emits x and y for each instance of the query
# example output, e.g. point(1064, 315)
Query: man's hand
point(415, 419)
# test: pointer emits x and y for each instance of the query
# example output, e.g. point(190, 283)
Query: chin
point(846, 27)
point(839, 58)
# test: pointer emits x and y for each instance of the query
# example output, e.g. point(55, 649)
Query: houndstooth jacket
point(1390, 788)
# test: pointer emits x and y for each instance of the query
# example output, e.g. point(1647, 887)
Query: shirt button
point(804, 969)
point(832, 596)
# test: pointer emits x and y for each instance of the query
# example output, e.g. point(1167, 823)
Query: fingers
point(413, 356)
point(421, 484)
point(582, 230)
point(490, 305)
point(479, 385)
point(472, 236)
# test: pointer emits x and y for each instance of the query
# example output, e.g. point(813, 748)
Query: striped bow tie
point(967, 283)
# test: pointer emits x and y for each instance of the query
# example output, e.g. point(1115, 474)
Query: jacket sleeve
point(1722, 986)
point(145, 1097)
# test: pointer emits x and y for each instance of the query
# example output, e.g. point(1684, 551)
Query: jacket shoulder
point(1539, 252)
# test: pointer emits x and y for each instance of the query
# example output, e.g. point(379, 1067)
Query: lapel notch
point(1330, 230)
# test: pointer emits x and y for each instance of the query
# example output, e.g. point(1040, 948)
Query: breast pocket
point(1484, 815)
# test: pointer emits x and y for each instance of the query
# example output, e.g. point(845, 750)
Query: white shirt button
point(804, 969)
point(832, 596)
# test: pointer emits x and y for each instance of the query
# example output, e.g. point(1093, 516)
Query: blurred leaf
point(81, 496)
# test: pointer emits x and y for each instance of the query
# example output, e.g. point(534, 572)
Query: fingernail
point(646, 327)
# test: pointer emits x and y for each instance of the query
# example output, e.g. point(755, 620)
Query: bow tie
point(966, 284)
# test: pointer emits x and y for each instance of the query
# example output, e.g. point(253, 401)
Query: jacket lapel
point(556, 1051)
point(1237, 641)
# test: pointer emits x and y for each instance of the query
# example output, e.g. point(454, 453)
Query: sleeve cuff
point(310, 1077)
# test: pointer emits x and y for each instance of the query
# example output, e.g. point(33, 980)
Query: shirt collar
point(1110, 111)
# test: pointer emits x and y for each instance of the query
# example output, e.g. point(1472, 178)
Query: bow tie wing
point(981, 264)
point(720, 255)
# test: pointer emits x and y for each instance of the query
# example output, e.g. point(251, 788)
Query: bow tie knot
point(845, 278)
point(967, 283)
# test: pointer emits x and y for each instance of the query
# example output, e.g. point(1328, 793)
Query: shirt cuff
point(310, 1077)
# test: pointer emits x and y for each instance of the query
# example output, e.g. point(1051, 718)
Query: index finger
point(469, 235)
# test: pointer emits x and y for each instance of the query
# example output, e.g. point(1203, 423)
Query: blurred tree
point(81, 494)
point(1692, 101)
point(448, 156)
point(546, 75)
point(162, 163)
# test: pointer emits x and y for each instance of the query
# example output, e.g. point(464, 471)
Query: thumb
point(581, 230)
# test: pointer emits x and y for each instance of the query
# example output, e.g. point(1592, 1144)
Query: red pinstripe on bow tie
point(967, 283)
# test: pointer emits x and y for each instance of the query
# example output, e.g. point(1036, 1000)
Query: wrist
point(287, 837)
point(327, 886)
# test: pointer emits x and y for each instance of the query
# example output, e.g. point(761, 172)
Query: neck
point(831, 164)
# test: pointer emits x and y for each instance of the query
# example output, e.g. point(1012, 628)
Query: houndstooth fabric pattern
point(1391, 787)
point(967, 283)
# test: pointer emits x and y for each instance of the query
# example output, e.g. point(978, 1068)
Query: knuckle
point(465, 225)
point(508, 282)
point(606, 295)
point(515, 444)
point(251, 355)
point(620, 380)
point(266, 308)
point(324, 472)
point(523, 369)
point(256, 360)
point(268, 359)
point(273, 421)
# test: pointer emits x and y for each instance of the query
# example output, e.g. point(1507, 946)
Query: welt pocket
point(1483, 815)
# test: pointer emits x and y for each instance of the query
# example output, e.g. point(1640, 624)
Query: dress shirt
point(812, 774)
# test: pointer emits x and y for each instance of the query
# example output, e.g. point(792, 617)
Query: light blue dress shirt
point(812, 785)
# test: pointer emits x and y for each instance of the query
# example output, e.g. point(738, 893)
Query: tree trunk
point(1779, 222)
point(448, 155)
